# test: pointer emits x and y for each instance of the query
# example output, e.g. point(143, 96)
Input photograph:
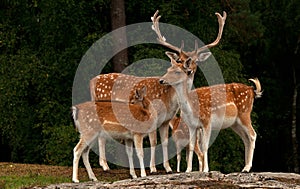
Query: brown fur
point(215, 107)
point(120, 86)
point(111, 119)
point(181, 136)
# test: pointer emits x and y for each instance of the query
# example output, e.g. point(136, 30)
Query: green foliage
point(59, 146)
point(147, 62)
point(40, 51)
point(227, 153)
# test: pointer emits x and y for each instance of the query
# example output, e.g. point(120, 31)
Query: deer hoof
point(154, 173)
point(245, 171)
point(94, 179)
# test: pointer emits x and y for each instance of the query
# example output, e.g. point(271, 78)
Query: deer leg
point(153, 143)
point(250, 151)
point(187, 153)
point(163, 131)
point(138, 143)
point(204, 147)
point(191, 149)
point(85, 158)
point(129, 151)
point(198, 151)
point(248, 135)
point(102, 156)
point(81, 145)
point(178, 151)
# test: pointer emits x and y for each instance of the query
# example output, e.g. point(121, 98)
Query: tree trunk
point(294, 119)
point(118, 19)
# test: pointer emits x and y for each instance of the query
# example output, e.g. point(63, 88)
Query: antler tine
point(196, 45)
point(161, 39)
point(221, 21)
point(182, 46)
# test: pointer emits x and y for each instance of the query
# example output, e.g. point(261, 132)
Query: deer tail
point(74, 110)
point(258, 92)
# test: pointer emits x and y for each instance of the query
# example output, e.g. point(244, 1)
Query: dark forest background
point(42, 43)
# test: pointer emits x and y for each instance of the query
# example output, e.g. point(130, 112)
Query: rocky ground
point(209, 180)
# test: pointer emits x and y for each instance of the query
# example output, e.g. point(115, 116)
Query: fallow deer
point(98, 120)
point(117, 86)
point(181, 137)
point(215, 107)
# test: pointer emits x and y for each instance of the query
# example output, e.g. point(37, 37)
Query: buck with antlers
point(164, 98)
point(215, 107)
point(181, 137)
point(98, 120)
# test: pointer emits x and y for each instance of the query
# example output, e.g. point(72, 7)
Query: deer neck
point(183, 91)
point(189, 110)
point(190, 81)
point(147, 104)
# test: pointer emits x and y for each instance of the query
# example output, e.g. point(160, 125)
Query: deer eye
point(178, 61)
point(177, 72)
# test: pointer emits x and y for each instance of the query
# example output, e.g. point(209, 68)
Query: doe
point(97, 120)
point(215, 107)
point(181, 137)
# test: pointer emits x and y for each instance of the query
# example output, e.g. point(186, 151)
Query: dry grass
point(15, 175)
point(17, 169)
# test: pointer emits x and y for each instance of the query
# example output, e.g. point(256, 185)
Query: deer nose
point(161, 81)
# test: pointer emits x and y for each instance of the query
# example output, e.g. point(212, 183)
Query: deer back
point(116, 86)
point(243, 96)
point(93, 117)
point(229, 100)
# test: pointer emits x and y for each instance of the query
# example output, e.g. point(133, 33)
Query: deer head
point(182, 56)
point(139, 97)
point(178, 73)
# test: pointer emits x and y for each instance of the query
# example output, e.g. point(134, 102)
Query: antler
point(161, 39)
point(221, 21)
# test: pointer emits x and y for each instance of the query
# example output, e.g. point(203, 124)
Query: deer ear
point(204, 56)
point(143, 91)
point(140, 93)
point(172, 55)
point(137, 94)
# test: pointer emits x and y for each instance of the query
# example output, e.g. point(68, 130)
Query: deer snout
point(162, 81)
